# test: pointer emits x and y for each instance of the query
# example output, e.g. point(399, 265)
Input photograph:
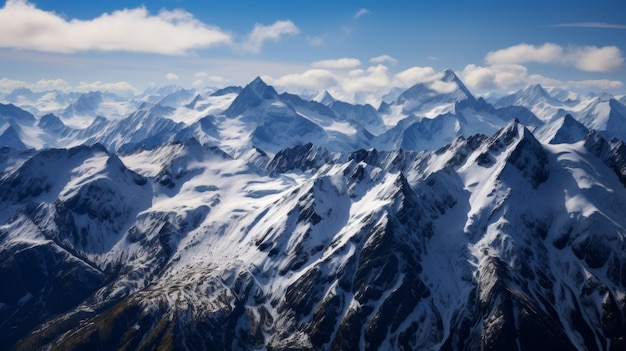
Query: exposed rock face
point(499, 243)
point(250, 220)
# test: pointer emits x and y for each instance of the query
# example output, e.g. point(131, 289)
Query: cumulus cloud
point(51, 84)
point(593, 59)
point(171, 76)
point(359, 84)
point(384, 59)
point(501, 77)
point(314, 78)
point(217, 79)
point(414, 75)
point(586, 58)
point(177, 32)
point(595, 83)
point(7, 85)
point(361, 12)
point(115, 87)
point(341, 63)
point(442, 87)
point(203, 77)
point(512, 76)
point(375, 78)
point(260, 34)
point(479, 77)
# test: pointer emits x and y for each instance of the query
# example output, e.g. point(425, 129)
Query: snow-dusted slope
point(500, 242)
point(245, 219)
point(601, 112)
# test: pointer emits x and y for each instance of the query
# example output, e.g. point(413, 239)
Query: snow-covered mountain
point(601, 112)
point(425, 116)
point(251, 220)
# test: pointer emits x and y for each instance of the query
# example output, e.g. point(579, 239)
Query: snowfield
point(245, 219)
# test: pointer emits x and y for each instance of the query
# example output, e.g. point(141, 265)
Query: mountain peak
point(11, 138)
point(324, 98)
point(536, 89)
point(449, 75)
point(258, 85)
point(251, 96)
point(439, 91)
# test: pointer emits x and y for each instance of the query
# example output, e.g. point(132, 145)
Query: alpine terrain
point(246, 218)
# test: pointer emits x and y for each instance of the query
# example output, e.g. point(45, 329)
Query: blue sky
point(351, 48)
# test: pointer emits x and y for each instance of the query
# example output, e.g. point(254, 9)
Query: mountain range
point(247, 219)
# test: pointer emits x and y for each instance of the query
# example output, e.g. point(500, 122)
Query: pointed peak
point(535, 91)
point(261, 89)
point(324, 98)
point(258, 82)
point(449, 75)
point(569, 131)
point(513, 130)
point(21, 90)
point(536, 87)
point(251, 96)
point(384, 107)
point(569, 119)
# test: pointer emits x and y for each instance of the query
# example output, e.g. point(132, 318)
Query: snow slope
point(498, 242)
point(251, 220)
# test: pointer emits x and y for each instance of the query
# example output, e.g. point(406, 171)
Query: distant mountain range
point(245, 219)
point(425, 116)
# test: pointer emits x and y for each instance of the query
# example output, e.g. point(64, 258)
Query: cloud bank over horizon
point(587, 58)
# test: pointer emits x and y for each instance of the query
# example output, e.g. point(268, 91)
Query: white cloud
point(595, 83)
point(479, 77)
point(341, 63)
point(361, 12)
point(260, 34)
point(442, 87)
point(384, 59)
point(7, 85)
point(511, 76)
point(217, 79)
point(314, 78)
point(177, 32)
point(586, 58)
point(498, 77)
point(171, 76)
point(367, 84)
point(523, 53)
point(375, 78)
point(51, 84)
point(116, 87)
point(203, 77)
point(414, 75)
point(593, 59)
